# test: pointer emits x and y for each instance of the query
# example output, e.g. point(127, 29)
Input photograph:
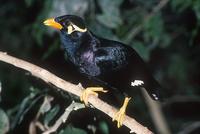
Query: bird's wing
point(124, 68)
point(110, 58)
point(141, 75)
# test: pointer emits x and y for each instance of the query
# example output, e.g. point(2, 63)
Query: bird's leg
point(119, 116)
point(90, 91)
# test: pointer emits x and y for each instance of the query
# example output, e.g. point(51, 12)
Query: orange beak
point(52, 23)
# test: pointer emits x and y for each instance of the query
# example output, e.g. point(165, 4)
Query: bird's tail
point(154, 90)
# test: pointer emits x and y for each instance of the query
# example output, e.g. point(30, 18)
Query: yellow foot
point(90, 91)
point(119, 116)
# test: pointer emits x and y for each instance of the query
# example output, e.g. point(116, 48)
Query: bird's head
point(70, 26)
point(73, 31)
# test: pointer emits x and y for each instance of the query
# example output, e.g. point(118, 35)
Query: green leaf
point(29, 2)
point(51, 49)
point(72, 130)
point(111, 15)
point(0, 90)
point(142, 50)
point(4, 122)
point(103, 126)
point(166, 40)
point(196, 8)
point(181, 5)
point(178, 68)
point(102, 31)
point(46, 105)
point(109, 5)
point(27, 103)
point(155, 32)
point(154, 27)
point(75, 7)
point(38, 29)
point(111, 21)
point(51, 114)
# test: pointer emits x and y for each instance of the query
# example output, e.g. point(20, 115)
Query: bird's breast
point(87, 64)
point(88, 57)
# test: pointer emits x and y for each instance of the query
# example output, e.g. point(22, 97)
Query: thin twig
point(43, 108)
point(138, 29)
point(190, 128)
point(48, 77)
point(64, 116)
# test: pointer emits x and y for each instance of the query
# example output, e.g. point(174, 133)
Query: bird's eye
point(66, 24)
point(75, 35)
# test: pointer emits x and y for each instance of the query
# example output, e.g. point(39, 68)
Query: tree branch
point(48, 77)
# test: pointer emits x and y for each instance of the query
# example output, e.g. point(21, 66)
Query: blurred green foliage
point(4, 122)
point(168, 39)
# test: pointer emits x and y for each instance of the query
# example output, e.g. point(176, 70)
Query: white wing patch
point(137, 83)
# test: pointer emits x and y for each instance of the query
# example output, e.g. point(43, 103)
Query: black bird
point(114, 65)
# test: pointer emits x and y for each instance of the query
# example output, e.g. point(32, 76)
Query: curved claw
point(119, 116)
point(90, 91)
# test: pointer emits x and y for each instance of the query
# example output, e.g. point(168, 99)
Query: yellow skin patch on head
point(72, 27)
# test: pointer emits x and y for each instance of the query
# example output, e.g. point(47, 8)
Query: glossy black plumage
point(111, 64)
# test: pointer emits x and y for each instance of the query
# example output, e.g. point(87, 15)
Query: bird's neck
point(70, 47)
point(87, 42)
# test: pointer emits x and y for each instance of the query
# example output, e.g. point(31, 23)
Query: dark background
point(165, 33)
